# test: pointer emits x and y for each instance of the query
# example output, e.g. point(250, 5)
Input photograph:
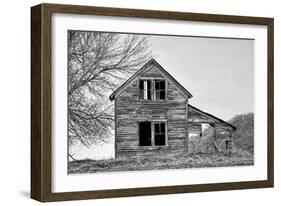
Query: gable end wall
point(130, 110)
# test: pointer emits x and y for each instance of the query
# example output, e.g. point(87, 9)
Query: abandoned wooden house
point(153, 117)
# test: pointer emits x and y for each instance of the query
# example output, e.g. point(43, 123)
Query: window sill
point(152, 100)
point(153, 147)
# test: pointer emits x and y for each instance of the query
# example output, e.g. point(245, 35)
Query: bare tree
point(97, 63)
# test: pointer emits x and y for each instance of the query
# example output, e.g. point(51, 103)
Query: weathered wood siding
point(129, 110)
point(222, 131)
point(196, 117)
point(194, 128)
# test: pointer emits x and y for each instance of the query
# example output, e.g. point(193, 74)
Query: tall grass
point(236, 158)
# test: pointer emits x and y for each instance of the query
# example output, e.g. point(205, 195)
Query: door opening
point(145, 133)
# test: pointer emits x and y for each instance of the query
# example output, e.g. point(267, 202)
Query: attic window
point(160, 92)
point(145, 89)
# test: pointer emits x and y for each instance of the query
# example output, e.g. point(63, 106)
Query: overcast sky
point(219, 73)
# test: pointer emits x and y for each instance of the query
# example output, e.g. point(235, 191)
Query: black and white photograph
point(156, 102)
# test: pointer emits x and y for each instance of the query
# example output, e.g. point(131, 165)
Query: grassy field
point(237, 158)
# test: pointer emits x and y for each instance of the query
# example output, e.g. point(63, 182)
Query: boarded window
point(145, 89)
point(160, 88)
point(145, 133)
point(159, 133)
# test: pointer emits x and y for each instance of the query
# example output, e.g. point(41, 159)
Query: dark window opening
point(145, 133)
point(228, 144)
point(160, 92)
point(159, 133)
point(145, 89)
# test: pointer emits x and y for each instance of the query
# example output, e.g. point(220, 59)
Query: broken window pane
point(159, 134)
point(160, 92)
point(160, 139)
point(157, 85)
point(162, 85)
point(157, 128)
point(162, 126)
point(157, 94)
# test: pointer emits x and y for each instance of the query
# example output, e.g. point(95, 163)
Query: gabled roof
point(212, 116)
point(161, 69)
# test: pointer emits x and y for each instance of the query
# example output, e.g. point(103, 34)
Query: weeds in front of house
point(196, 160)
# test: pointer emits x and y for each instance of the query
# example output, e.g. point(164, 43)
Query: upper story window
point(155, 87)
point(160, 92)
point(145, 89)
